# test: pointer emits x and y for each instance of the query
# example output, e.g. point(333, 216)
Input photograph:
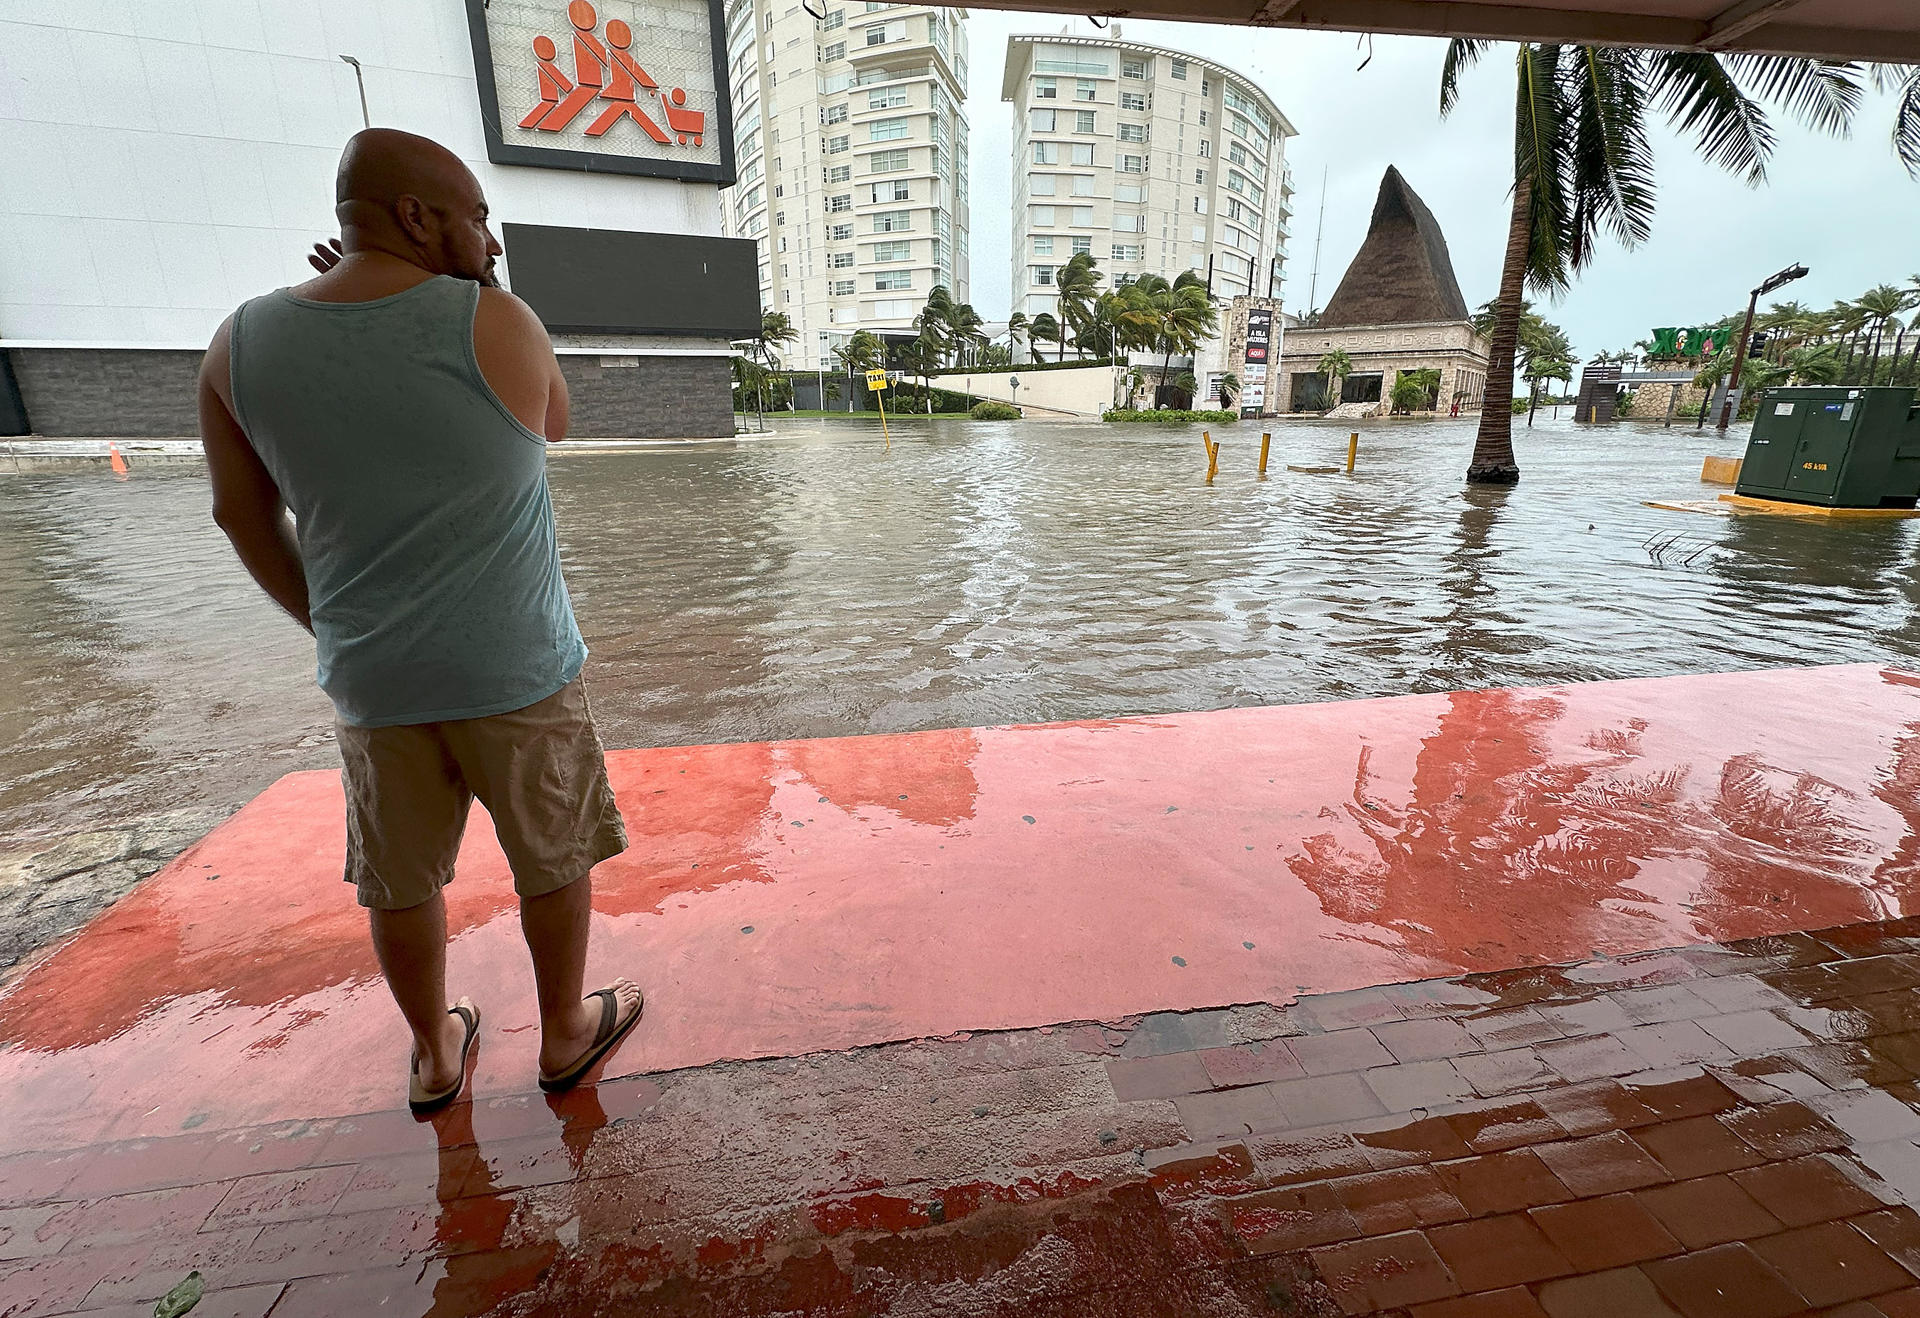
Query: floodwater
point(809, 583)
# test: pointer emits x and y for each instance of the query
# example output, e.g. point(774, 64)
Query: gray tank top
point(420, 504)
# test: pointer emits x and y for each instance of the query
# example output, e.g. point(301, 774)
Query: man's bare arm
point(517, 360)
point(246, 503)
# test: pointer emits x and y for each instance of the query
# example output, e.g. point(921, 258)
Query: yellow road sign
point(876, 379)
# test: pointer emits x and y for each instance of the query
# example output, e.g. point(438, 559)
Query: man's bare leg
point(412, 947)
point(555, 925)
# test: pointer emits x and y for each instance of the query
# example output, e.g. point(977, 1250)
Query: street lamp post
point(1014, 381)
point(1772, 282)
point(360, 80)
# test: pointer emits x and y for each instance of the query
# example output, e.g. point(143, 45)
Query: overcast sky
point(1847, 210)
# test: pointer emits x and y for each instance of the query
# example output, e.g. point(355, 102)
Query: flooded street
point(810, 584)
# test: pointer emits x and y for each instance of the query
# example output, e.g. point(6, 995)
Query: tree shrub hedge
point(1170, 415)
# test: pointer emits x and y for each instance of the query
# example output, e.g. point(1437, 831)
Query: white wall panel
point(160, 163)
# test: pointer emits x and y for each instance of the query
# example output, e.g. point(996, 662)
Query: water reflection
point(812, 584)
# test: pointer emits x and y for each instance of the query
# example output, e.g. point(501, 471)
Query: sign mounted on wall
point(605, 86)
point(1259, 334)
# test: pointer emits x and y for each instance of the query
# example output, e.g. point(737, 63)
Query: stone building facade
point(1379, 353)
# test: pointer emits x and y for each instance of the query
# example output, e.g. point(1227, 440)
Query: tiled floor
point(1702, 1132)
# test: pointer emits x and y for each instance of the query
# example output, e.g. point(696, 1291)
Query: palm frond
point(1538, 157)
point(1824, 94)
point(1906, 123)
point(1699, 95)
point(1462, 54)
point(1611, 161)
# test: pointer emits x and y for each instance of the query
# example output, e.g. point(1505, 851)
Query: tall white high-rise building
point(852, 153)
point(1152, 160)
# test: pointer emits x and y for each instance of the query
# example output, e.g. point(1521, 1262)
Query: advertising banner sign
point(1259, 335)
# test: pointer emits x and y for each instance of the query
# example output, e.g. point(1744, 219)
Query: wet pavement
point(1707, 1131)
point(1209, 1014)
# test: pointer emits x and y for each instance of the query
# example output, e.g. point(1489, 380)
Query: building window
point(1199, 205)
point(1082, 217)
point(1206, 149)
point(893, 281)
point(877, 35)
point(1128, 192)
point(1080, 153)
point(1129, 224)
point(1043, 244)
point(886, 130)
point(839, 233)
point(1133, 101)
point(898, 308)
point(835, 145)
point(835, 17)
point(1083, 89)
point(1042, 275)
point(1046, 153)
point(1127, 251)
point(898, 249)
point(1043, 217)
point(839, 173)
point(1135, 69)
point(1046, 89)
point(1200, 178)
point(837, 51)
point(1080, 245)
point(893, 222)
point(1083, 121)
point(839, 202)
point(1206, 87)
point(1133, 132)
point(887, 98)
point(841, 288)
point(1083, 185)
point(779, 218)
point(1040, 185)
point(894, 190)
point(1178, 68)
point(1133, 165)
point(1042, 121)
point(836, 114)
point(882, 161)
point(1199, 233)
point(839, 260)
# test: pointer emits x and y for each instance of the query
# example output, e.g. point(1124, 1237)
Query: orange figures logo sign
point(607, 72)
point(605, 86)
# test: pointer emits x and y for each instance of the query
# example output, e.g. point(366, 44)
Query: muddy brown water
point(808, 583)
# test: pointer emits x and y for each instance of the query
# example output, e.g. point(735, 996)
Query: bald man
point(399, 407)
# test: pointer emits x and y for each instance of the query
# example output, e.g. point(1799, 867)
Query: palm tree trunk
point(1913, 362)
point(1533, 401)
point(1873, 363)
point(1493, 460)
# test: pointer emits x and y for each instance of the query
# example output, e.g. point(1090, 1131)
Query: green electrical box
point(1837, 446)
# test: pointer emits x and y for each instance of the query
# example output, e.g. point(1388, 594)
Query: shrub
point(988, 410)
point(1170, 415)
point(1024, 367)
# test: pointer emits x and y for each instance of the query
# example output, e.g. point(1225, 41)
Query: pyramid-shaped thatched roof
point(1402, 274)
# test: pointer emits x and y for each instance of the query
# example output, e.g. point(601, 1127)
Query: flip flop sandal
point(611, 1031)
point(418, 1099)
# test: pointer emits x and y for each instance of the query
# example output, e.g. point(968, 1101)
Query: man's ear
point(412, 214)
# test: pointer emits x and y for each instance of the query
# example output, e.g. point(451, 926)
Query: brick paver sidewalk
point(1702, 1132)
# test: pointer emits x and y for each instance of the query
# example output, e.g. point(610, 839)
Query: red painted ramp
point(784, 898)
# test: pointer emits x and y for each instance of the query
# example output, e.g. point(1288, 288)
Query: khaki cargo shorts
point(539, 771)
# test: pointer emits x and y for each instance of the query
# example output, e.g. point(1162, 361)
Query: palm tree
point(1904, 82)
point(1017, 327)
point(1043, 328)
point(863, 351)
point(1167, 318)
point(1582, 161)
point(1078, 284)
point(775, 329)
point(1878, 306)
point(1229, 389)
point(922, 357)
point(1335, 365)
point(963, 331)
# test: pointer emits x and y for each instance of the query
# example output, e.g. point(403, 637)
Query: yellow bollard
point(1213, 456)
point(1266, 438)
point(881, 403)
point(1353, 450)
